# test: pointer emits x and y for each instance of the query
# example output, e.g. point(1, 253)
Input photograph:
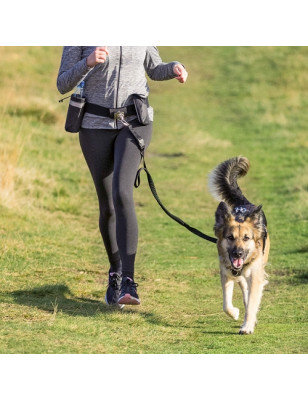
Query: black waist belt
point(109, 112)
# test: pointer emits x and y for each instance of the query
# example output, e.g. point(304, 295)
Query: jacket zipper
point(118, 83)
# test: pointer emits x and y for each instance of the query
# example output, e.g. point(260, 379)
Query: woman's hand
point(98, 56)
point(181, 73)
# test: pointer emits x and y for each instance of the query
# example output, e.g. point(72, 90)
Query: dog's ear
point(257, 217)
point(221, 216)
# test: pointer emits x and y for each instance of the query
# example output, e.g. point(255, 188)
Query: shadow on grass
point(291, 276)
point(302, 250)
point(58, 297)
point(301, 277)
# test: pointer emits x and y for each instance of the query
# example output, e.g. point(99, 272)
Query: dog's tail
point(223, 181)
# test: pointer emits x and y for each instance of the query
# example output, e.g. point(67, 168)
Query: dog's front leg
point(255, 289)
point(244, 287)
point(227, 290)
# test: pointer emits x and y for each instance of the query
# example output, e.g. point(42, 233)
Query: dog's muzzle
point(236, 265)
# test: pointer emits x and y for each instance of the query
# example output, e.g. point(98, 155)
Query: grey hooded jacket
point(113, 83)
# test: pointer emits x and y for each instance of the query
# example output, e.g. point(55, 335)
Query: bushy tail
point(223, 181)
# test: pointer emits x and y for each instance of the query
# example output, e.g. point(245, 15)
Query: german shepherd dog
point(242, 241)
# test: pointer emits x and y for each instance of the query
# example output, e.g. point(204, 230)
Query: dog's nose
point(237, 253)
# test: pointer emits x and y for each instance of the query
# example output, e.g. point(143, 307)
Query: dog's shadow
point(51, 298)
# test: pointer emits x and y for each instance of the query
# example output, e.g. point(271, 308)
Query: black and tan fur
point(242, 241)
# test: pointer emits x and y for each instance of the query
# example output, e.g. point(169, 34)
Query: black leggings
point(113, 158)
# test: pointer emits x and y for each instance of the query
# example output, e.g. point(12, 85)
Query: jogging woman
point(112, 76)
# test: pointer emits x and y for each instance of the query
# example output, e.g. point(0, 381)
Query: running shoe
point(128, 292)
point(114, 289)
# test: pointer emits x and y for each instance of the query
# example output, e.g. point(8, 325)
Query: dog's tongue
point(237, 262)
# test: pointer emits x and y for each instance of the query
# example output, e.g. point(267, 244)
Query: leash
point(120, 116)
point(174, 217)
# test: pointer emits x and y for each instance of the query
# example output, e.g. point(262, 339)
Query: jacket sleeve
point(72, 69)
point(155, 68)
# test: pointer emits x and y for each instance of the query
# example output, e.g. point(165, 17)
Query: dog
point(242, 241)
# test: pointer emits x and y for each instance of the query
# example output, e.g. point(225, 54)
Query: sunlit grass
point(249, 101)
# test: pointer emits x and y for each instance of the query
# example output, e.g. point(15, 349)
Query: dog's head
point(240, 232)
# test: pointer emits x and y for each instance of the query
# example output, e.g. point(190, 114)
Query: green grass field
point(237, 100)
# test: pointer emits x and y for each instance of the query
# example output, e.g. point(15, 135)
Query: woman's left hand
point(181, 73)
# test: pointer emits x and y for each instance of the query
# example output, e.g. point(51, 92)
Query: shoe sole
point(128, 299)
point(114, 304)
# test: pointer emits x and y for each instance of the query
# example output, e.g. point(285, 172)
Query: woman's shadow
point(59, 298)
point(55, 298)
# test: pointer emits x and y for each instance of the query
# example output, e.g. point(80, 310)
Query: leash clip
point(119, 115)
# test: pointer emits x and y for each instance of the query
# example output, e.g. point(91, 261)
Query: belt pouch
point(141, 106)
point(75, 113)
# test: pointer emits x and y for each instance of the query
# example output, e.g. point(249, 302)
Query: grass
point(238, 100)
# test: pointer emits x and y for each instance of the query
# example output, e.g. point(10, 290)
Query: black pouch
point(141, 106)
point(75, 113)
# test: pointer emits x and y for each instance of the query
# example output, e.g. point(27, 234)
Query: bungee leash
point(120, 116)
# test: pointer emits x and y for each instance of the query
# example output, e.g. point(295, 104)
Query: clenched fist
point(98, 56)
point(181, 73)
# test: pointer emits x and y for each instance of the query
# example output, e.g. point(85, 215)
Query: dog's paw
point(233, 312)
point(246, 329)
point(236, 313)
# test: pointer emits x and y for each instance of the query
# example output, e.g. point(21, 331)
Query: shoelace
point(130, 283)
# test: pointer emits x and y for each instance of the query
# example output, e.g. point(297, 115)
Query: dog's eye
point(246, 238)
point(231, 237)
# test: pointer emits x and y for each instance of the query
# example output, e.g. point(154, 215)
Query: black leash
point(141, 146)
point(174, 217)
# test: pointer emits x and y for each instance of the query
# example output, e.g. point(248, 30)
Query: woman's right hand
point(98, 56)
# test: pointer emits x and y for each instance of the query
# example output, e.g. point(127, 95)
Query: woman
point(112, 77)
